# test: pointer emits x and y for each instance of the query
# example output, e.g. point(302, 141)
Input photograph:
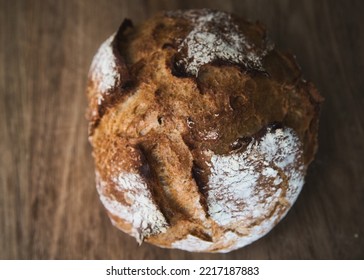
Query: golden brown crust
point(166, 120)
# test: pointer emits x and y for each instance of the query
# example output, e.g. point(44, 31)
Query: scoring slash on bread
point(202, 131)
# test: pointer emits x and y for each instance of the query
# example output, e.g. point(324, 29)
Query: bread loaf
point(202, 131)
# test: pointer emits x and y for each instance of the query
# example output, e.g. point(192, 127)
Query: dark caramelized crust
point(184, 89)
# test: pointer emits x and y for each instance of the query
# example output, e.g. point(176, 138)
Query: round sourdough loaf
point(201, 130)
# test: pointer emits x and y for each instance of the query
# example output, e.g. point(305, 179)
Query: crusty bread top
point(216, 36)
point(185, 106)
point(128, 59)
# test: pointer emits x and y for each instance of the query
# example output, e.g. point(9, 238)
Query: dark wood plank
point(49, 208)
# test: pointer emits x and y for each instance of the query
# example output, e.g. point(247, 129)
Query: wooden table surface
point(49, 207)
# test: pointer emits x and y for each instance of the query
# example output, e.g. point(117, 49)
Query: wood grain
point(49, 208)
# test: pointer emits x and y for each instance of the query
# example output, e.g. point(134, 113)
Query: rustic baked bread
point(201, 130)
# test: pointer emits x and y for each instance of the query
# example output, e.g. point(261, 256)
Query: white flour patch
point(235, 194)
point(140, 210)
point(192, 243)
point(103, 70)
point(216, 37)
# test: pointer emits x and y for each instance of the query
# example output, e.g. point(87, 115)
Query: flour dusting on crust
point(250, 188)
point(249, 192)
point(103, 70)
point(193, 244)
point(216, 37)
point(138, 208)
